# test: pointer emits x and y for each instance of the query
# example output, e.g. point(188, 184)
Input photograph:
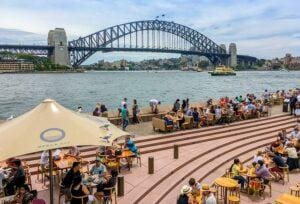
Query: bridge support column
point(58, 39)
point(233, 55)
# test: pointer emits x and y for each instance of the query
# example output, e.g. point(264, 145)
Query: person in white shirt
point(154, 105)
point(292, 160)
point(295, 134)
point(56, 154)
point(45, 159)
point(258, 156)
point(218, 113)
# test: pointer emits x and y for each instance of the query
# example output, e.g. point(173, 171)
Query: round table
point(226, 183)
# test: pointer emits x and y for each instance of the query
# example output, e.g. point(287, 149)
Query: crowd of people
point(269, 164)
point(224, 110)
point(13, 182)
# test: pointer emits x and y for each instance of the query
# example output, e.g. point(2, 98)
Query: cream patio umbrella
point(50, 126)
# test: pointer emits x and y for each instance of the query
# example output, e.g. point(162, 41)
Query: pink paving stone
point(198, 172)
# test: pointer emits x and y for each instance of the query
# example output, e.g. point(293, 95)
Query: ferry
point(223, 71)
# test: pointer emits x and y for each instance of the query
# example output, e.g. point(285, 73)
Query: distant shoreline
point(46, 72)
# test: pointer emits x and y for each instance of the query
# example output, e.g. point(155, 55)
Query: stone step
point(175, 166)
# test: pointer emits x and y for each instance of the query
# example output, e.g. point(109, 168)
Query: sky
point(260, 28)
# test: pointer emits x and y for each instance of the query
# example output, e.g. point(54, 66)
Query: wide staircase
point(203, 154)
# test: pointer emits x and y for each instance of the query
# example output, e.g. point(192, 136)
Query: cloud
point(261, 28)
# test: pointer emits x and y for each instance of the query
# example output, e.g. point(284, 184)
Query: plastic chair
point(80, 198)
point(286, 173)
point(295, 190)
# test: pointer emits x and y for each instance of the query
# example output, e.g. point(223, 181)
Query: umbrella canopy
point(51, 126)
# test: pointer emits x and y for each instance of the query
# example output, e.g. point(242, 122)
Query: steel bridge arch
point(84, 47)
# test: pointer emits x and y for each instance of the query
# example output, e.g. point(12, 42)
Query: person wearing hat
point(184, 197)
point(207, 195)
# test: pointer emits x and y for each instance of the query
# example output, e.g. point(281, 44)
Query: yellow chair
point(296, 190)
point(233, 199)
point(286, 173)
point(80, 198)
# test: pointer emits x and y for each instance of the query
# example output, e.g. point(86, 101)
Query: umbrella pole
point(51, 176)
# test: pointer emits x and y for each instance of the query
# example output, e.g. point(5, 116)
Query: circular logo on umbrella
point(52, 135)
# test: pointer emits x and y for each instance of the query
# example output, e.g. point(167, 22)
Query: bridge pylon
point(58, 39)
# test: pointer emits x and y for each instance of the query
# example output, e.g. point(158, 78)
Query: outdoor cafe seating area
point(225, 111)
point(255, 178)
point(111, 159)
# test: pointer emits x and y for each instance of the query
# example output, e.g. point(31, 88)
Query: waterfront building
point(15, 66)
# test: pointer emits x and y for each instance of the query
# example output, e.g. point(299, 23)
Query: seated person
point(74, 152)
point(169, 119)
point(96, 112)
point(276, 170)
point(129, 144)
point(79, 192)
point(56, 154)
point(17, 179)
point(194, 184)
point(262, 171)
point(45, 159)
point(193, 196)
point(73, 173)
point(292, 159)
point(295, 133)
point(236, 169)
point(184, 195)
point(207, 195)
point(297, 145)
point(252, 168)
point(110, 181)
point(98, 169)
point(103, 109)
point(22, 195)
point(258, 156)
point(181, 118)
point(110, 152)
point(10, 162)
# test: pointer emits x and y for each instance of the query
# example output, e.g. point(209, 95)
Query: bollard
point(150, 165)
point(176, 152)
point(120, 185)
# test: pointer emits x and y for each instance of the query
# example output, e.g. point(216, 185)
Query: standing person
point(154, 105)
point(135, 111)
point(184, 106)
point(293, 101)
point(125, 115)
point(124, 102)
point(176, 106)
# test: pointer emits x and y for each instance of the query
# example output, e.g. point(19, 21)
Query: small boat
point(223, 71)
point(283, 70)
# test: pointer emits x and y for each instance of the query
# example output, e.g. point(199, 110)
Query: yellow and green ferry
point(223, 71)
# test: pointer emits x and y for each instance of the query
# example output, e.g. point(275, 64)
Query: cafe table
point(287, 199)
point(65, 162)
point(126, 154)
point(226, 184)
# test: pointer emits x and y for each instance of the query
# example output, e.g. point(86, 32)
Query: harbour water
point(21, 92)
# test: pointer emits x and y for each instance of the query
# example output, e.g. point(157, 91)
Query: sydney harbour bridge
point(139, 36)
